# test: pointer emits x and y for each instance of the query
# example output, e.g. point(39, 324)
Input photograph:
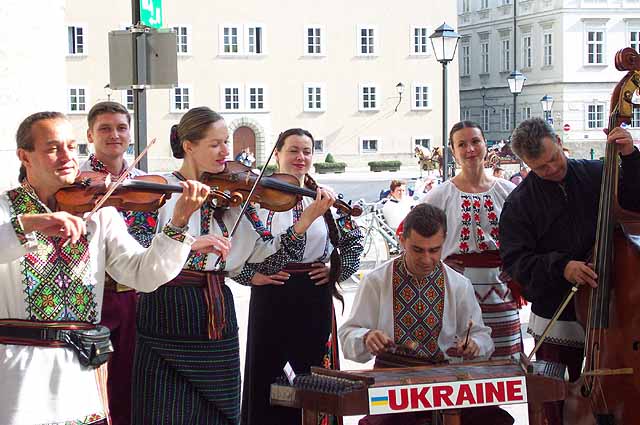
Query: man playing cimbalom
point(109, 133)
point(52, 269)
point(442, 305)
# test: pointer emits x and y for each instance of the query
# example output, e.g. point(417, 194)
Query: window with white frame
point(634, 40)
point(230, 37)
point(255, 39)
point(595, 46)
point(256, 98)
point(465, 60)
point(547, 49)
point(635, 118)
point(77, 100)
point(180, 96)
point(368, 97)
point(506, 54)
point(595, 115)
point(369, 145)
point(231, 98)
point(466, 114)
point(506, 119)
point(314, 98)
point(182, 40)
point(420, 40)
point(423, 142)
point(485, 120)
point(367, 41)
point(127, 99)
point(421, 97)
point(525, 112)
point(527, 54)
point(75, 35)
point(318, 146)
point(484, 57)
point(313, 40)
point(465, 6)
point(484, 4)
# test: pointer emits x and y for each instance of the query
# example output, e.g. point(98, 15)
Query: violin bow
point(123, 176)
point(216, 266)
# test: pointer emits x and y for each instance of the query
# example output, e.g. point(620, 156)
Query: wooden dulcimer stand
point(441, 388)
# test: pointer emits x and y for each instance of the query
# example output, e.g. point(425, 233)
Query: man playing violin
point(53, 268)
point(547, 231)
point(442, 306)
point(109, 133)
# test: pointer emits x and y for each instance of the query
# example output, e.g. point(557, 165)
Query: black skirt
point(288, 323)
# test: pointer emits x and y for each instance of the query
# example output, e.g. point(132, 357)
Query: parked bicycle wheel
point(376, 251)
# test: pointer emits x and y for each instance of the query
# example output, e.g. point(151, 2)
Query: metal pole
point(139, 93)
point(515, 96)
point(445, 150)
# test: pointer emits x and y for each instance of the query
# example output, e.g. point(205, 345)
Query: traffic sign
point(151, 13)
point(566, 127)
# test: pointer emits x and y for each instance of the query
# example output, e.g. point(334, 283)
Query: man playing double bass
point(547, 231)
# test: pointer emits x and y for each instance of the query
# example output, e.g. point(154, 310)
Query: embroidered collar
point(97, 165)
point(402, 264)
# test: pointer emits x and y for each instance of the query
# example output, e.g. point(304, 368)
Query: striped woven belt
point(298, 267)
point(484, 260)
point(211, 284)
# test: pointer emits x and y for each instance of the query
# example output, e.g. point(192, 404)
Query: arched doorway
point(244, 137)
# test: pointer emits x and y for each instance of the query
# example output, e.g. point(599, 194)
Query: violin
point(141, 193)
point(277, 192)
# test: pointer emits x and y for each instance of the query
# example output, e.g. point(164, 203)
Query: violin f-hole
point(635, 346)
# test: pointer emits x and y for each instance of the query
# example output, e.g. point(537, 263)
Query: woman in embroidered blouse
point(187, 365)
point(473, 201)
point(293, 320)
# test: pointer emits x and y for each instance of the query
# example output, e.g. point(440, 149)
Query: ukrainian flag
point(380, 401)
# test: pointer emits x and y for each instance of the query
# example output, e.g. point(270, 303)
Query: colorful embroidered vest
point(58, 285)
point(417, 309)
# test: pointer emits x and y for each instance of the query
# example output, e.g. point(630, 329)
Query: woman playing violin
point(187, 364)
point(291, 320)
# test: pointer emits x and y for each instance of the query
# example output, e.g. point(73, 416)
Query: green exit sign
point(151, 13)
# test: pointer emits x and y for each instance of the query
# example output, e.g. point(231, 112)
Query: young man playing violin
point(109, 133)
point(53, 267)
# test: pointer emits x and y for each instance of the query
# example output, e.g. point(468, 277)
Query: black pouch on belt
point(92, 346)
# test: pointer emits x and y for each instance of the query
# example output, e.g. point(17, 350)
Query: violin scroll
point(627, 59)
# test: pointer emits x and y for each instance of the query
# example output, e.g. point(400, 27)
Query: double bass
point(608, 391)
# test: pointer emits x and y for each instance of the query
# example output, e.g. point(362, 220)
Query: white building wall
point(572, 83)
point(32, 70)
point(284, 69)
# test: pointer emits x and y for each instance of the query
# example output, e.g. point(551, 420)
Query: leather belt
point(298, 268)
point(48, 334)
point(111, 285)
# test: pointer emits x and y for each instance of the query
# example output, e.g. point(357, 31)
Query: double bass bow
point(609, 388)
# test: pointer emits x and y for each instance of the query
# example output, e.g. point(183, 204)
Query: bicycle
point(380, 241)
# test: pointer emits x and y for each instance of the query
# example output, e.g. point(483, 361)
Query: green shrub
point(385, 164)
point(329, 165)
point(329, 159)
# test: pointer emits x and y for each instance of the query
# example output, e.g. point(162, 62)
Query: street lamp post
point(399, 90)
point(547, 105)
point(516, 82)
point(444, 41)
